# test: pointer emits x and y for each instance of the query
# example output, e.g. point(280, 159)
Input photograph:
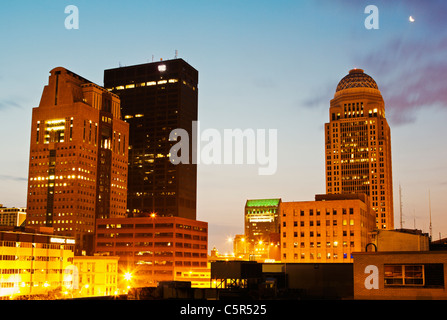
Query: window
point(427, 275)
point(54, 131)
point(404, 275)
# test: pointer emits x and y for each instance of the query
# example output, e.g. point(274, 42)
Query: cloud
point(7, 103)
point(13, 178)
point(411, 76)
point(320, 98)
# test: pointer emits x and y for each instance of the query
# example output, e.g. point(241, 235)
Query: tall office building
point(358, 145)
point(78, 157)
point(155, 99)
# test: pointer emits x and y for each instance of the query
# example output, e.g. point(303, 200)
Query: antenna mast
point(400, 201)
point(429, 210)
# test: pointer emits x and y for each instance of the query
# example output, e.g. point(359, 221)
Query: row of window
point(150, 226)
point(152, 244)
point(53, 284)
point(329, 244)
point(11, 257)
point(317, 256)
point(18, 244)
point(317, 223)
point(311, 212)
point(170, 264)
point(31, 271)
point(152, 235)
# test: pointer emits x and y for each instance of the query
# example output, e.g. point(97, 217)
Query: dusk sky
point(262, 65)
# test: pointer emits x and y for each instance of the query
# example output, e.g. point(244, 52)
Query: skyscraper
point(155, 99)
point(358, 145)
point(78, 157)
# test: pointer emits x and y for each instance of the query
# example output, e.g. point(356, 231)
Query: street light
point(128, 276)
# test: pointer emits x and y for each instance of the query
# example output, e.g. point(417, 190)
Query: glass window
point(406, 275)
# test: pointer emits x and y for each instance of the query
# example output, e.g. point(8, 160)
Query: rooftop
point(356, 79)
point(263, 203)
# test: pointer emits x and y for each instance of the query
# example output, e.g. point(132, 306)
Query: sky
point(262, 65)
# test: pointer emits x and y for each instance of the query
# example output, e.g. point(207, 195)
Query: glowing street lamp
point(128, 276)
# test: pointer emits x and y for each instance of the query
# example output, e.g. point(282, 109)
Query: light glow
point(128, 276)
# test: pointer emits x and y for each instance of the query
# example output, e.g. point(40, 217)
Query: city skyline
point(261, 65)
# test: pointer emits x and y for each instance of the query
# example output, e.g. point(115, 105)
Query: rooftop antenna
point(176, 54)
point(152, 58)
point(414, 218)
point(429, 210)
point(400, 201)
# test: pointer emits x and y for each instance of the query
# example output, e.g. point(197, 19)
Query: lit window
point(404, 275)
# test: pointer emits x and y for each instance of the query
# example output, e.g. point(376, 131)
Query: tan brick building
point(329, 229)
point(33, 263)
point(78, 157)
point(400, 275)
point(95, 276)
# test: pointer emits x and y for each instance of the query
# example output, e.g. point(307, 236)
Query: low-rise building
point(13, 217)
point(95, 276)
point(398, 240)
point(34, 264)
point(404, 275)
point(327, 230)
point(154, 249)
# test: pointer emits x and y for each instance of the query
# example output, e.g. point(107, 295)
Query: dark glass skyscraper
point(156, 98)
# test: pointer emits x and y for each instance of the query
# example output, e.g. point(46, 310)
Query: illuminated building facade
point(78, 157)
point(358, 145)
point(96, 276)
point(153, 248)
point(326, 230)
point(13, 217)
point(33, 264)
point(157, 98)
point(261, 229)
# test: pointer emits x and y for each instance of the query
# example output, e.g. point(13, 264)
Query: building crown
point(356, 79)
